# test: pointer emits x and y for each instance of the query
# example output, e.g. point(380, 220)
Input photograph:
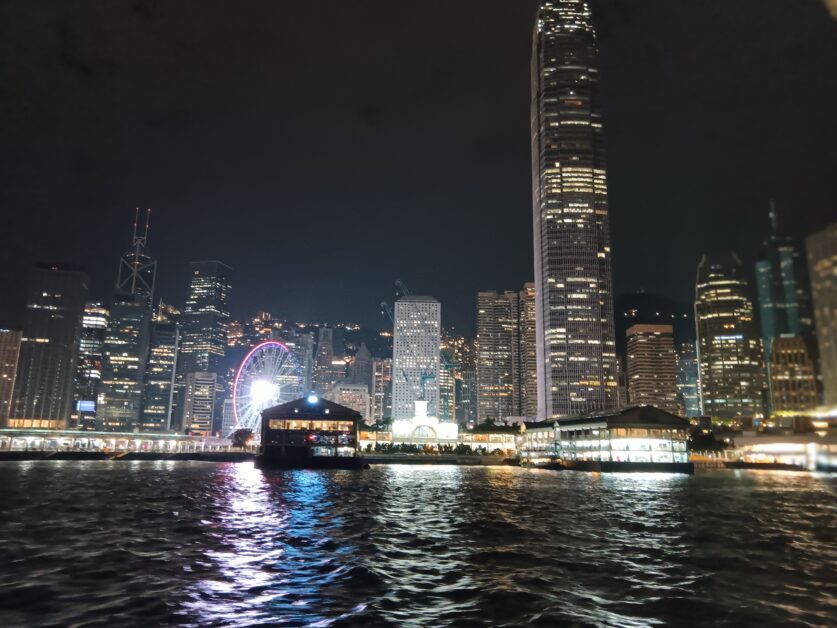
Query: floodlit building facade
point(652, 367)
point(381, 389)
point(415, 355)
point(205, 318)
point(199, 402)
point(43, 390)
point(528, 347)
point(577, 371)
point(160, 372)
point(729, 346)
point(822, 266)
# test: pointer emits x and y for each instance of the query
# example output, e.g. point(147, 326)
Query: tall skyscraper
point(138, 270)
point(528, 336)
point(88, 376)
point(652, 367)
point(381, 389)
point(9, 354)
point(793, 385)
point(822, 267)
point(124, 358)
point(498, 355)
point(204, 320)
point(468, 397)
point(360, 370)
point(43, 393)
point(688, 379)
point(577, 370)
point(447, 392)
point(159, 384)
point(415, 355)
point(729, 347)
point(782, 287)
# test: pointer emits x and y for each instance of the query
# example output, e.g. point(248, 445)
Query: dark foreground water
point(162, 543)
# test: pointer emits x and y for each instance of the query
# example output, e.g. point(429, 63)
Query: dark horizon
point(323, 168)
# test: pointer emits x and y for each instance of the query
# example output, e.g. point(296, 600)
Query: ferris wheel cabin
point(310, 433)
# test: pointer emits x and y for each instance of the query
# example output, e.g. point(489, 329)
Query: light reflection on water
point(202, 544)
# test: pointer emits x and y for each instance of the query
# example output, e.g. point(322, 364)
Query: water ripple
point(197, 544)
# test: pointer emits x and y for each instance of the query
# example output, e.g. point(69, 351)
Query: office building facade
point(416, 355)
point(576, 354)
point(43, 391)
point(821, 248)
point(652, 367)
point(729, 345)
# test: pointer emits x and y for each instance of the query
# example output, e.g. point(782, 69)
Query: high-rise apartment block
point(577, 371)
point(415, 355)
point(822, 267)
point(652, 367)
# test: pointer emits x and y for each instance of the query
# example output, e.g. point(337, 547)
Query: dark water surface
point(163, 543)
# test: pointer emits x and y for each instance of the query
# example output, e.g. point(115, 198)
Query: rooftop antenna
point(137, 270)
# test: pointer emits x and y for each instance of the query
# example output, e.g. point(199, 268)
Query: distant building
point(528, 339)
point(199, 402)
point(203, 334)
point(688, 379)
point(652, 367)
point(498, 355)
point(729, 346)
point(205, 318)
point(159, 384)
point(381, 389)
point(793, 385)
point(9, 354)
point(124, 358)
point(415, 355)
point(228, 422)
point(329, 369)
point(360, 370)
point(782, 288)
point(354, 396)
point(89, 366)
point(447, 392)
point(822, 266)
point(574, 288)
point(468, 397)
point(43, 391)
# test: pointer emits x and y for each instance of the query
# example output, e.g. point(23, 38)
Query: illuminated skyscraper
point(199, 392)
point(43, 396)
point(124, 357)
point(159, 385)
point(782, 286)
point(204, 320)
point(688, 379)
point(528, 336)
point(328, 368)
point(498, 355)
point(415, 355)
point(575, 349)
point(652, 367)
point(89, 365)
point(822, 266)
point(729, 347)
point(381, 389)
point(9, 353)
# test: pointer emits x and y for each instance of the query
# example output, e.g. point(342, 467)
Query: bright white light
point(263, 392)
point(312, 399)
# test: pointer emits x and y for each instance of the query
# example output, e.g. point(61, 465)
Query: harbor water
point(203, 544)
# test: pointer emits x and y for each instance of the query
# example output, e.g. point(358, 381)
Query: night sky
point(325, 149)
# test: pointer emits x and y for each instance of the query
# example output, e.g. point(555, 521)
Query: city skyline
point(683, 168)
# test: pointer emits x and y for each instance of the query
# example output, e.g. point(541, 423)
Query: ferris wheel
point(268, 376)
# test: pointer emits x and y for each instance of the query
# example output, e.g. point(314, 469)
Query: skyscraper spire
point(137, 269)
point(575, 332)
